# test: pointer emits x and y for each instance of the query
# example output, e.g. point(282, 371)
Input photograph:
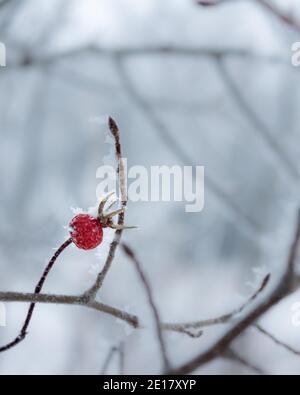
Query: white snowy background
point(172, 108)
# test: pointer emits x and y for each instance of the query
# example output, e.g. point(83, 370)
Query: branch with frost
point(232, 355)
point(130, 319)
point(268, 5)
point(282, 289)
point(223, 319)
point(131, 255)
point(276, 340)
point(73, 300)
point(92, 292)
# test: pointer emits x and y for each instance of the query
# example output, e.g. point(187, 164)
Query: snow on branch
point(282, 289)
point(240, 318)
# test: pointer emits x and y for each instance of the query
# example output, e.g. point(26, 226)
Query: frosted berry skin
point(86, 231)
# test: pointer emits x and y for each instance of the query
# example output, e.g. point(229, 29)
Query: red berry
point(86, 231)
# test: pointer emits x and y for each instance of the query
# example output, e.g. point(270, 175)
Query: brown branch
point(131, 255)
point(90, 296)
point(267, 4)
point(287, 19)
point(234, 356)
point(280, 291)
point(276, 341)
point(223, 319)
point(37, 290)
point(80, 300)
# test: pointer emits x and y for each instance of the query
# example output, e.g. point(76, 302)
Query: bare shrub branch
point(114, 350)
point(267, 4)
point(259, 126)
point(279, 292)
point(223, 319)
point(131, 255)
point(38, 289)
point(275, 340)
point(92, 292)
point(235, 357)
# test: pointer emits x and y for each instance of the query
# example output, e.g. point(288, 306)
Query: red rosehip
point(86, 231)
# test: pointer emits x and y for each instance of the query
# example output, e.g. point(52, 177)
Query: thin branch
point(113, 350)
point(121, 358)
point(276, 341)
point(288, 19)
point(234, 356)
point(134, 51)
point(37, 290)
point(280, 291)
point(92, 292)
point(131, 255)
point(80, 300)
point(120, 351)
point(223, 319)
point(258, 125)
point(172, 144)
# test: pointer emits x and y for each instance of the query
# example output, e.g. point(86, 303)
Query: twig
point(92, 292)
point(121, 358)
point(267, 4)
point(90, 295)
point(171, 143)
point(287, 19)
point(276, 341)
point(38, 289)
point(258, 125)
point(223, 319)
point(276, 295)
point(115, 349)
point(133, 51)
point(131, 255)
point(233, 356)
point(108, 359)
point(80, 300)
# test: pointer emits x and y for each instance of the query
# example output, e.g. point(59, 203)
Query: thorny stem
point(37, 290)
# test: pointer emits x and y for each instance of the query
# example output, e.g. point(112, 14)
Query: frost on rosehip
point(86, 231)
